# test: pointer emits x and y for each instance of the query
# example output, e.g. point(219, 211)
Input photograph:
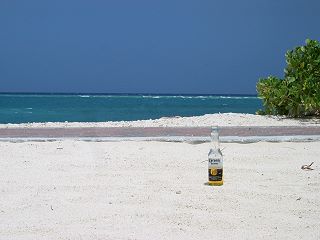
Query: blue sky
point(167, 46)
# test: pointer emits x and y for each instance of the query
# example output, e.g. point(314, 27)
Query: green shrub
point(298, 94)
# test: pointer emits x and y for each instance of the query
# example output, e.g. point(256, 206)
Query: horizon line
point(128, 93)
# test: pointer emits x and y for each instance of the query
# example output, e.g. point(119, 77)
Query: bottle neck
point(215, 139)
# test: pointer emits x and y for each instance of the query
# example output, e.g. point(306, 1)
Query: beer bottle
point(215, 160)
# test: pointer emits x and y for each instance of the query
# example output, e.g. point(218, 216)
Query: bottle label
point(215, 163)
point(215, 174)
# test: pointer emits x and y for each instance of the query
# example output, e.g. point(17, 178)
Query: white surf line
point(189, 139)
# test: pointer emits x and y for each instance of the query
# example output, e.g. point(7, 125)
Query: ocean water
point(23, 108)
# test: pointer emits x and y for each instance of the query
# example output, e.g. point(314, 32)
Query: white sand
point(223, 119)
point(130, 190)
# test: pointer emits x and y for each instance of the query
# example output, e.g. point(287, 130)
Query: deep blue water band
point(44, 107)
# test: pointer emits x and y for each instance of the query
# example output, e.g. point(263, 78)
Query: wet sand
point(156, 131)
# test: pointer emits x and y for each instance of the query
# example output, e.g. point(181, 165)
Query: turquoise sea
point(32, 107)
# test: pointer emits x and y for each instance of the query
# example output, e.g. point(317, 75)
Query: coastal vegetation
point(298, 94)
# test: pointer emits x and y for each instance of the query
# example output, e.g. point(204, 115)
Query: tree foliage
point(298, 94)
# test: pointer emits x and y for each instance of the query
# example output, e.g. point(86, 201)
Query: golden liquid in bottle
point(215, 176)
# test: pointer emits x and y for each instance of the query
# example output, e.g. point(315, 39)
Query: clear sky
point(150, 46)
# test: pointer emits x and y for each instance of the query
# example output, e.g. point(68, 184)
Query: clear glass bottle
point(215, 160)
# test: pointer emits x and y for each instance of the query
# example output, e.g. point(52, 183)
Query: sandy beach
point(218, 119)
point(156, 190)
point(73, 189)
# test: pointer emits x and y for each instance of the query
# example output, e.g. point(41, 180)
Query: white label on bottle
point(215, 162)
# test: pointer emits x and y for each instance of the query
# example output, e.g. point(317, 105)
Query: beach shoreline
point(169, 134)
point(218, 119)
